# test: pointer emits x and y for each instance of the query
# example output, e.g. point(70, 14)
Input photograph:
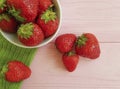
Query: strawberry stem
point(70, 53)
point(5, 17)
point(2, 4)
point(25, 30)
point(49, 15)
point(81, 40)
point(16, 14)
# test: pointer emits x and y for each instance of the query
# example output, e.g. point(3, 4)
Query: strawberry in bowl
point(29, 12)
point(2, 6)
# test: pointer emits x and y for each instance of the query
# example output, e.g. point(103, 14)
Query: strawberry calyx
point(2, 4)
point(71, 53)
point(4, 69)
point(16, 14)
point(49, 15)
point(81, 40)
point(4, 17)
point(26, 30)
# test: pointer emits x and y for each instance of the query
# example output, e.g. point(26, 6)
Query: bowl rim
point(43, 44)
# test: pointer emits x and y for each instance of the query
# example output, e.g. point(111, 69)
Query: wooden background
point(101, 17)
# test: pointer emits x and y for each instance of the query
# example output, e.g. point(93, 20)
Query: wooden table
point(101, 17)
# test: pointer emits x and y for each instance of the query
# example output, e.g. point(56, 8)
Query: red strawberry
point(2, 5)
point(16, 71)
point(70, 61)
point(23, 10)
point(30, 34)
point(2, 10)
point(8, 23)
point(48, 21)
point(44, 5)
point(87, 46)
point(65, 42)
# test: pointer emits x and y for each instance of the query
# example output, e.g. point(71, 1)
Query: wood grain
point(101, 17)
point(49, 72)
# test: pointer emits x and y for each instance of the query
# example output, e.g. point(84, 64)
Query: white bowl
point(12, 38)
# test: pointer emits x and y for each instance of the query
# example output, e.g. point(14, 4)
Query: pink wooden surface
point(101, 17)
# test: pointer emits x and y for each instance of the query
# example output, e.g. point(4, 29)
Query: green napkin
point(9, 52)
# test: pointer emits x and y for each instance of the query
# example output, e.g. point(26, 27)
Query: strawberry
point(70, 60)
point(44, 5)
point(8, 23)
point(48, 21)
point(2, 5)
point(23, 10)
point(30, 34)
point(15, 71)
point(65, 42)
point(2, 10)
point(87, 46)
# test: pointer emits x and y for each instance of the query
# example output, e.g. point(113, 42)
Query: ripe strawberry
point(8, 23)
point(23, 10)
point(2, 5)
point(15, 71)
point(87, 46)
point(48, 21)
point(2, 10)
point(30, 34)
point(70, 61)
point(65, 42)
point(44, 5)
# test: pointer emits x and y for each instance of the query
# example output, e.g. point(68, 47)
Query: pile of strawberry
point(69, 45)
point(72, 47)
point(32, 20)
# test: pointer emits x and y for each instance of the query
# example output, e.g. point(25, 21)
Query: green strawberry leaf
point(71, 53)
point(16, 14)
point(48, 15)
point(81, 40)
point(2, 4)
point(25, 30)
point(3, 70)
point(4, 17)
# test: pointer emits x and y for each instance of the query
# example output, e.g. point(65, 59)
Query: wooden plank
point(50, 73)
point(101, 17)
